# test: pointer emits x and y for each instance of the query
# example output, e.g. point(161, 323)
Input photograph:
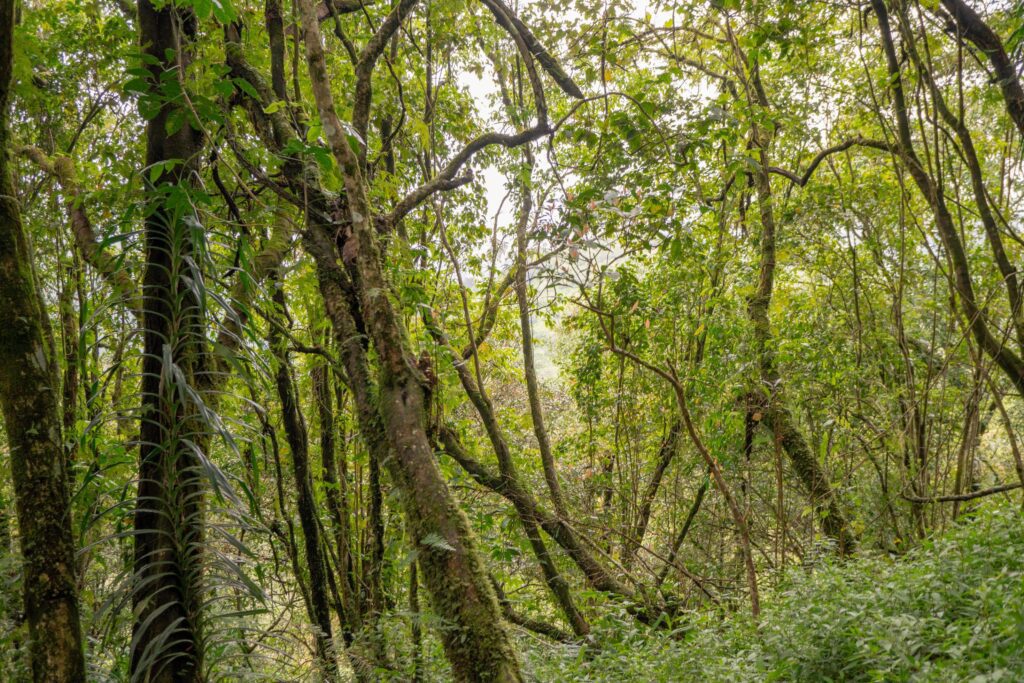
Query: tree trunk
point(666, 452)
point(678, 542)
point(1008, 361)
point(298, 444)
point(969, 24)
point(555, 527)
point(29, 401)
point(777, 415)
point(475, 639)
point(166, 644)
point(526, 508)
point(529, 365)
point(335, 491)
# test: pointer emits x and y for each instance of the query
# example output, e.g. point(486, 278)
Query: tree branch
point(963, 496)
point(93, 253)
point(507, 19)
point(445, 176)
point(802, 180)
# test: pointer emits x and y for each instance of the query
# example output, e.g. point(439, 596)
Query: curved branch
point(327, 9)
point(802, 180)
point(368, 60)
point(445, 176)
point(507, 19)
point(968, 24)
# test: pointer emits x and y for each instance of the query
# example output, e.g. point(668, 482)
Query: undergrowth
point(951, 610)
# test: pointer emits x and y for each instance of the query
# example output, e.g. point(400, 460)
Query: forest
point(503, 340)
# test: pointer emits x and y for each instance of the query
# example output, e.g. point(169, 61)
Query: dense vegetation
point(948, 611)
point(490, 341)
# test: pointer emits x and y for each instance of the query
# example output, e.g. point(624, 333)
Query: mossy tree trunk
point(522, 289)
point(29, 401)
point(769, 396)
point(475, 639)
point(335, 486)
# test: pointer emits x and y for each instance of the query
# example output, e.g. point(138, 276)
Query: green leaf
point(274, 107)
point(246, 87)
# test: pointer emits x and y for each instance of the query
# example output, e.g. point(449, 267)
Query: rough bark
point(415, 630)
point(833, 521)
point(335, 490)
point(335, 290)
point(476, 641)
point(29, 401)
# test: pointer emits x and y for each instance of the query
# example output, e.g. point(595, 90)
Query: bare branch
point(964, 496)
point(443, 179)
point(507, 19)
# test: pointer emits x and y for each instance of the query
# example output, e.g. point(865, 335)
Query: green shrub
point(952, 610)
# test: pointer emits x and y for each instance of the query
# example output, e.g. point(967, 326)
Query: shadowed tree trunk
point(29, 398)
point(335, 489)
point(166, 644)
point(391, 411)
point(298, 444)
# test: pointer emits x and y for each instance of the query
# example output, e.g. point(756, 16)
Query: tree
point(168, 527)
point(29, 397)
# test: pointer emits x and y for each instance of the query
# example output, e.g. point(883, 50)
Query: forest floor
point(951, 610)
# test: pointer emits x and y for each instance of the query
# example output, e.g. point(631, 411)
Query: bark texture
point(475, 639)
point(778, 416)
point(529, 365)
point(29, 393)
point(298, 444)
